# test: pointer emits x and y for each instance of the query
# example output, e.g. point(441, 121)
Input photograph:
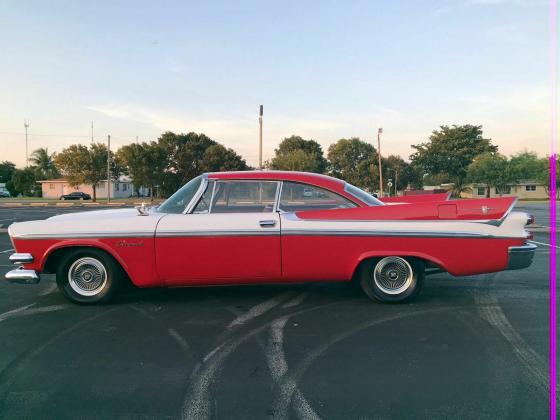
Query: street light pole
point(108, 168)
point(260, 136)
point(379, 131)
point(26, 125)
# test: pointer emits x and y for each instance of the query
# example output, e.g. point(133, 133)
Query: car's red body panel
point(336, 257)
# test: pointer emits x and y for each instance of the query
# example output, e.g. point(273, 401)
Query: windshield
point(178, 201)
point(360, 194)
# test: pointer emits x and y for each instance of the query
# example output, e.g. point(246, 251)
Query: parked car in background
point(260, 227)
point(4, 194)
point(76, 195)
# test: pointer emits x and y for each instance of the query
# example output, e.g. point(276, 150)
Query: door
point(309, 252)
point(232, 236)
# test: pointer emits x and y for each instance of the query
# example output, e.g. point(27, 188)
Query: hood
point(95, 215)
point(89, 224)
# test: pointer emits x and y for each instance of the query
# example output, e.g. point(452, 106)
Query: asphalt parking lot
point(474, 347)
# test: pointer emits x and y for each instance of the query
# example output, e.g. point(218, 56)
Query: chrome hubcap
point(87, 276)
point(393, 275)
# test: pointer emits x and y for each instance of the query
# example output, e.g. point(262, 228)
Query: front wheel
point(88, 276)
point(392, 279)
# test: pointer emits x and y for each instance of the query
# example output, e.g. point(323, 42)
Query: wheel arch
point(55, 253)
point(428, 260)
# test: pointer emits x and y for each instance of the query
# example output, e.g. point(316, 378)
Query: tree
point(527, 166)
point(145, 163)
point(6, 171)
point(44, 164)
point(189, 155)
point(297, 154)
point(217, 158)
point(184, 153)
point(82, 165)
point(400, 172)
point(460, 186)
point(450, 150)
point(354, 161)
point(544, 175)
point(491, 169)
point(24, 182)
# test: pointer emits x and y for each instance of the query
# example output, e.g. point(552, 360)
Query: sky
point(323, 70)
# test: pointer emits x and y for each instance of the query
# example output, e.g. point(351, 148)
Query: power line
point(99, 138)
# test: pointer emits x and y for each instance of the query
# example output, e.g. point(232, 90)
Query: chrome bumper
point(520, 256)
point(22, 276)
point(19, 258)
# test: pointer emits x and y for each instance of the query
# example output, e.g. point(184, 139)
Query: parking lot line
point(543, 243)
point(7, 250)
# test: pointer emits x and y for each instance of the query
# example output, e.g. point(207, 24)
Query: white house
point(525, 190)
point(120, 188)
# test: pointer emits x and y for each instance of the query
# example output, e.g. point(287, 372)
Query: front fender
point(135, 255)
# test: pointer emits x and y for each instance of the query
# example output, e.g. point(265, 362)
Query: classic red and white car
point(272, 227)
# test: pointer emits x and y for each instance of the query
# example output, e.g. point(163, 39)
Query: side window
point(244, 197)
point(203, 205)
point(299, 197)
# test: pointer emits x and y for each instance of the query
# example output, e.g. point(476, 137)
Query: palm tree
point(44, 163)
point(460, 186)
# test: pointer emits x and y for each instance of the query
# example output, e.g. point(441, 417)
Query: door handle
point(267, 223)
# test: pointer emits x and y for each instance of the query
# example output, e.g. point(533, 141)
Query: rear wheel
point(392, 279)
point(88, 276)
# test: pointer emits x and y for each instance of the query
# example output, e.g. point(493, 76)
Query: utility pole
point(108, 168)
point(260, 136)
point(379, 131)
point(26, 125)
point(92, 132)
point(396, 180)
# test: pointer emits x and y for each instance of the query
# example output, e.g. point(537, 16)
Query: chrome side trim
point(294, 217)
point(85, 235)
point(194, 233)
point(22, 276)
point(422, 234)
point(21, 258)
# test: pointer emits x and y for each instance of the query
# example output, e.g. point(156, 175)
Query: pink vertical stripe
point(552, 287)
point(552, 261)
